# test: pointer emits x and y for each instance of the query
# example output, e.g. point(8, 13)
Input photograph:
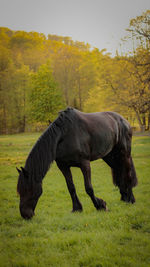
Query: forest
point(41, 75)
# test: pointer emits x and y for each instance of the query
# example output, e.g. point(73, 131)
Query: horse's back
point(89, 135)
point(103, 131)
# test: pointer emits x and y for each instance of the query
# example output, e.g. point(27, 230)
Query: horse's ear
point(19, 171)
point(24, 172)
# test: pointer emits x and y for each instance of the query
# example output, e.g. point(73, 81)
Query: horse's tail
point(127, 134)
point(124, 172)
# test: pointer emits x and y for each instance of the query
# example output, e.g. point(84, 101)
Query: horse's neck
point(43, 153)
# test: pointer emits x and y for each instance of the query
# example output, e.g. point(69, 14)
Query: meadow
point(55, 236)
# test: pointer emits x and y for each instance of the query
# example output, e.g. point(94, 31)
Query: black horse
point(75, 139)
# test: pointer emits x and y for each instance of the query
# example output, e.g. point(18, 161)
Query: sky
point(101, 23)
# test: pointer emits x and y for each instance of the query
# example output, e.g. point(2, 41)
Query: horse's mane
point(43, 152)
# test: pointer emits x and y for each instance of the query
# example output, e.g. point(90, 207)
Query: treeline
point(41, 75)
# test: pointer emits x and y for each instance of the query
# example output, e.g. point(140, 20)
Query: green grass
point(55, 236)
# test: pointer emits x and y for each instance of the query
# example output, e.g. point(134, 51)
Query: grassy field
point(55, 236)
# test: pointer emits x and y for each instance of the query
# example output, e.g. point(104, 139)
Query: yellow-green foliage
point(39, 75)
point(63, 69)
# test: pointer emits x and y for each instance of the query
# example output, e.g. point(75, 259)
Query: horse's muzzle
point(26, 214)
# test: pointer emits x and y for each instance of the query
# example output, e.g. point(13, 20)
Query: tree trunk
point(142, 127)
point(144, 121)
point(148, 123)
point(80, 97)
point(4, 129)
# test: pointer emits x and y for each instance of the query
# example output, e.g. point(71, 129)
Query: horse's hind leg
point(68, 176)
point(86, 170)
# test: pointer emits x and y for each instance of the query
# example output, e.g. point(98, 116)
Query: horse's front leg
point(86, 170)
point(68, 176)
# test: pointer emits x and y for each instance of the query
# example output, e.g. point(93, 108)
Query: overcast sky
point(101, 23)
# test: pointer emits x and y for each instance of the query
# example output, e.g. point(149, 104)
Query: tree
point(140, 28)
point(100, 96)
point(129, 88)
point(14, 84)
point(75, 72)
point(21, 85)
point(30, 47)
point(6, 74)
point(45, 95)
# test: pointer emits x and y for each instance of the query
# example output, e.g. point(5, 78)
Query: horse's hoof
point(101, 204)
point(103, 209)
point(77, 210)
point(128, 200)
point(106, 209)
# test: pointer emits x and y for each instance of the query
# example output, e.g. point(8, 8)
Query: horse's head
point(29, 192)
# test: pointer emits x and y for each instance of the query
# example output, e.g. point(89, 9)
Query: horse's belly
point(72, 152)
point(101, 146)
point(99, 154)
